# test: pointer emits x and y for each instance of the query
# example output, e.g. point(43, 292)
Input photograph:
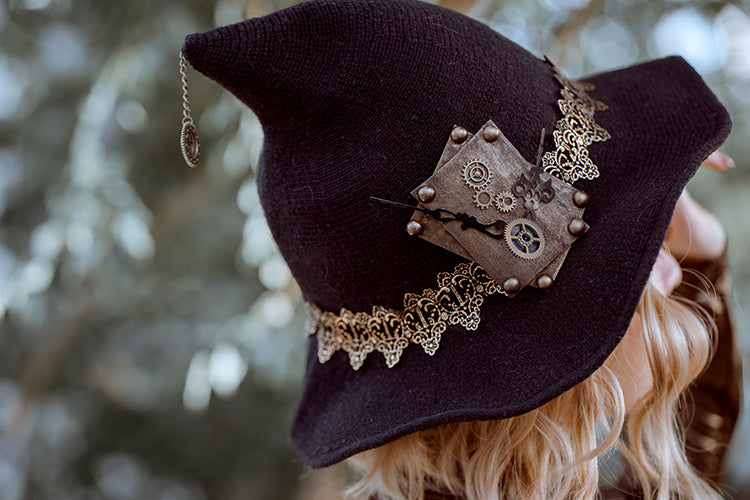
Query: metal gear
point(505, 201)
point(483, 199)
point(476, 174)
point(525, 239)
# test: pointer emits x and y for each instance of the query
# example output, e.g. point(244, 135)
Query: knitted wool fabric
point(357, 99)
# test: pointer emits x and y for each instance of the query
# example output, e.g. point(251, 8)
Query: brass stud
point(426, 194)
point(577, 227)
point(491, 133)
point(544, 282)
point(511, 285)
point(414, 228)
point(580, 199)
point(459, 134)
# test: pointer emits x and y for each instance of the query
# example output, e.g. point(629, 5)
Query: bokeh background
point(150, 334)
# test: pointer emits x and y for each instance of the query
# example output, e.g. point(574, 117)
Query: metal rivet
point(426, 194)
point(491, 133)
point(581, 199)
point(577, 227)
point(459, 134)
point(544, 282)
point(414, 228)
point(511, 285)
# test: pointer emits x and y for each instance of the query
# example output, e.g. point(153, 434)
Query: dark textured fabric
point(357, 98)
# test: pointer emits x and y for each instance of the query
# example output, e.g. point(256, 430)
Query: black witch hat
point(417, 105)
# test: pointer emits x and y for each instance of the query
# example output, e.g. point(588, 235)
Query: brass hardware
point(580, 199)
point(524, 239)
point(511, 285)
point(476, 174)
point(459, 134)
point(491, 133)
point(482, 199)
point(544, 282)
point(505, 201)
point(189, 143)
point(426, 194)
point(533, 190)
point(577, 227)
point(414, 228)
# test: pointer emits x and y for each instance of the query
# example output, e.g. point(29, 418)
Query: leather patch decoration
point(486, 203)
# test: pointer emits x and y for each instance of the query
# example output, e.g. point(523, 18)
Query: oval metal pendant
point(190, 145)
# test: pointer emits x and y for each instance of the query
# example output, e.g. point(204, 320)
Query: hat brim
point(661, 114)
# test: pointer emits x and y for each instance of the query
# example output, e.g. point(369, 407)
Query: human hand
point(694, 235)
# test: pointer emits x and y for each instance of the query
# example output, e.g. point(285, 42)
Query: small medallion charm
point(190, 145)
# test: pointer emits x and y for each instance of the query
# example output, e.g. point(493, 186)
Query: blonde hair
point(551, 451)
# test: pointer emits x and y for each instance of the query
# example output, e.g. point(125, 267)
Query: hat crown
point(356, 98)
point(345, 56)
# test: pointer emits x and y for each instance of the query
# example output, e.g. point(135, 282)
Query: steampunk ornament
point(488, 204)
point(513, 221)
point(505, 201)
point(189, 143)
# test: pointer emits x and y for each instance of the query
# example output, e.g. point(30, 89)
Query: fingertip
point(719, 162)
point(666, 274)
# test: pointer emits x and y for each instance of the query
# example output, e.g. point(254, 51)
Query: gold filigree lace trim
point(461, 292)
point(574, 132)
point(424, 319)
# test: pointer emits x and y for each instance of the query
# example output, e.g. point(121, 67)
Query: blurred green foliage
point(150, 334)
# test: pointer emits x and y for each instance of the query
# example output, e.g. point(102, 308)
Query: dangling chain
point(189, 143)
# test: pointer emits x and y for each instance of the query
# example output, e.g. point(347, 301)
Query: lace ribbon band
point(461, 292)
point(574, 132)
point(424, 319)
